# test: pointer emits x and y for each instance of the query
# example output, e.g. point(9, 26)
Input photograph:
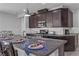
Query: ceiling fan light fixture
point(26, 15)
point(26, 12)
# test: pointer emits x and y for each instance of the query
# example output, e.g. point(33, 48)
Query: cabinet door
point(33, 21)
point(41, 17)
point(49, 19)
point(56, 18)
point(31, 25)
point(70, 18)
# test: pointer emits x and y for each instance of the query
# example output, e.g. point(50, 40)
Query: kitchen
point(53, 26)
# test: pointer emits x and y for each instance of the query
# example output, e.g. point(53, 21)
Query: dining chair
point(12, 50)
point(1, 51)
point(8, 50)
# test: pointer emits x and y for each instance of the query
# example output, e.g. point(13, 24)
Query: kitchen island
point(52, 45)
point(72, 39)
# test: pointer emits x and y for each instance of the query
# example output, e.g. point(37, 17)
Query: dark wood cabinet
point(56, 18)
point(49, 19)
point(61, 17)
point(66, 17)
point(70, 18)
point(33, 21)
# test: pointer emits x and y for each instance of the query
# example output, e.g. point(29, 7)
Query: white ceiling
point(17, 8)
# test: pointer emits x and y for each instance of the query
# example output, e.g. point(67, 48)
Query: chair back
point(8, 50)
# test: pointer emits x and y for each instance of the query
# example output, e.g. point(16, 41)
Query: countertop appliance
point(66, 31)
point(43, 31)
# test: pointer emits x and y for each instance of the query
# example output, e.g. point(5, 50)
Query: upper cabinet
point(33, 21)
point(66, 17)
point(56, 18)
point(61, 17)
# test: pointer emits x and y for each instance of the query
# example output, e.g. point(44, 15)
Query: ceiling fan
point(24, 13)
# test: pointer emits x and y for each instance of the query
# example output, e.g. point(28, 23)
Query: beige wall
point(10, 22)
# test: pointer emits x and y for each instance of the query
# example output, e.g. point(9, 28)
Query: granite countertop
point(35, 34)
point(52, 45)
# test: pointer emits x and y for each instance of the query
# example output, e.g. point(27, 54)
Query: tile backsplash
point(37, 30)
point(75, 30)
